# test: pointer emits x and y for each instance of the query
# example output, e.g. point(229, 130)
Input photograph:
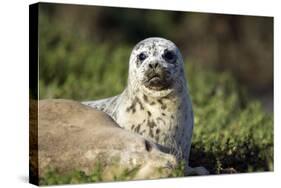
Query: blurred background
point(242, 45)
point(84, 53)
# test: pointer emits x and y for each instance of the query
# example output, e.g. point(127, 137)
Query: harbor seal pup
point(156, 102)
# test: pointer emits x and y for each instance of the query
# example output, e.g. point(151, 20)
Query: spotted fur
point(162, 115)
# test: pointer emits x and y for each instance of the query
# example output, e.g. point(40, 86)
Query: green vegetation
point(232, 132)
point(53, 177)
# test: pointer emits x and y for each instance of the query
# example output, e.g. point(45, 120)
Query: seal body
point(156, 101)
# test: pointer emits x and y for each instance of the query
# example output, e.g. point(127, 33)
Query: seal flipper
point(107, 105)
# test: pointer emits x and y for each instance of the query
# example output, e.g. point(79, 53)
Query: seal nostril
point(156, 64)
point(153, 65)
point(148, 146)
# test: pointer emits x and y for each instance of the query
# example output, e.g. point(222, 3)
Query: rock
point(74, 137)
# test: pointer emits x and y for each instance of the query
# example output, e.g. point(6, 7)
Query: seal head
point(155, 67)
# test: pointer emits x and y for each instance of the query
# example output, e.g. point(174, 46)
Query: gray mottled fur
point(164, 116)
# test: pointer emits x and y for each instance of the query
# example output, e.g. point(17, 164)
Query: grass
point(232, 132)
point(53, 177)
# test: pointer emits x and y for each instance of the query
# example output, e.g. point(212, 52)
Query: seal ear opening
point(148, 146)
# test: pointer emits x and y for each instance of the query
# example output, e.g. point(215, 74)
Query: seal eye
point(169, 55)
point(142, 56)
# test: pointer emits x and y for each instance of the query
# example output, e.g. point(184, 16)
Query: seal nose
point(153, 65)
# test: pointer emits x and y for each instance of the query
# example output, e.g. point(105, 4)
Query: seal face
point(157, 75)
point(155, 65)
point(156, 102)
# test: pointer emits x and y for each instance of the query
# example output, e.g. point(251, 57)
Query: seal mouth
point(154, 79)
point(156, 82)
